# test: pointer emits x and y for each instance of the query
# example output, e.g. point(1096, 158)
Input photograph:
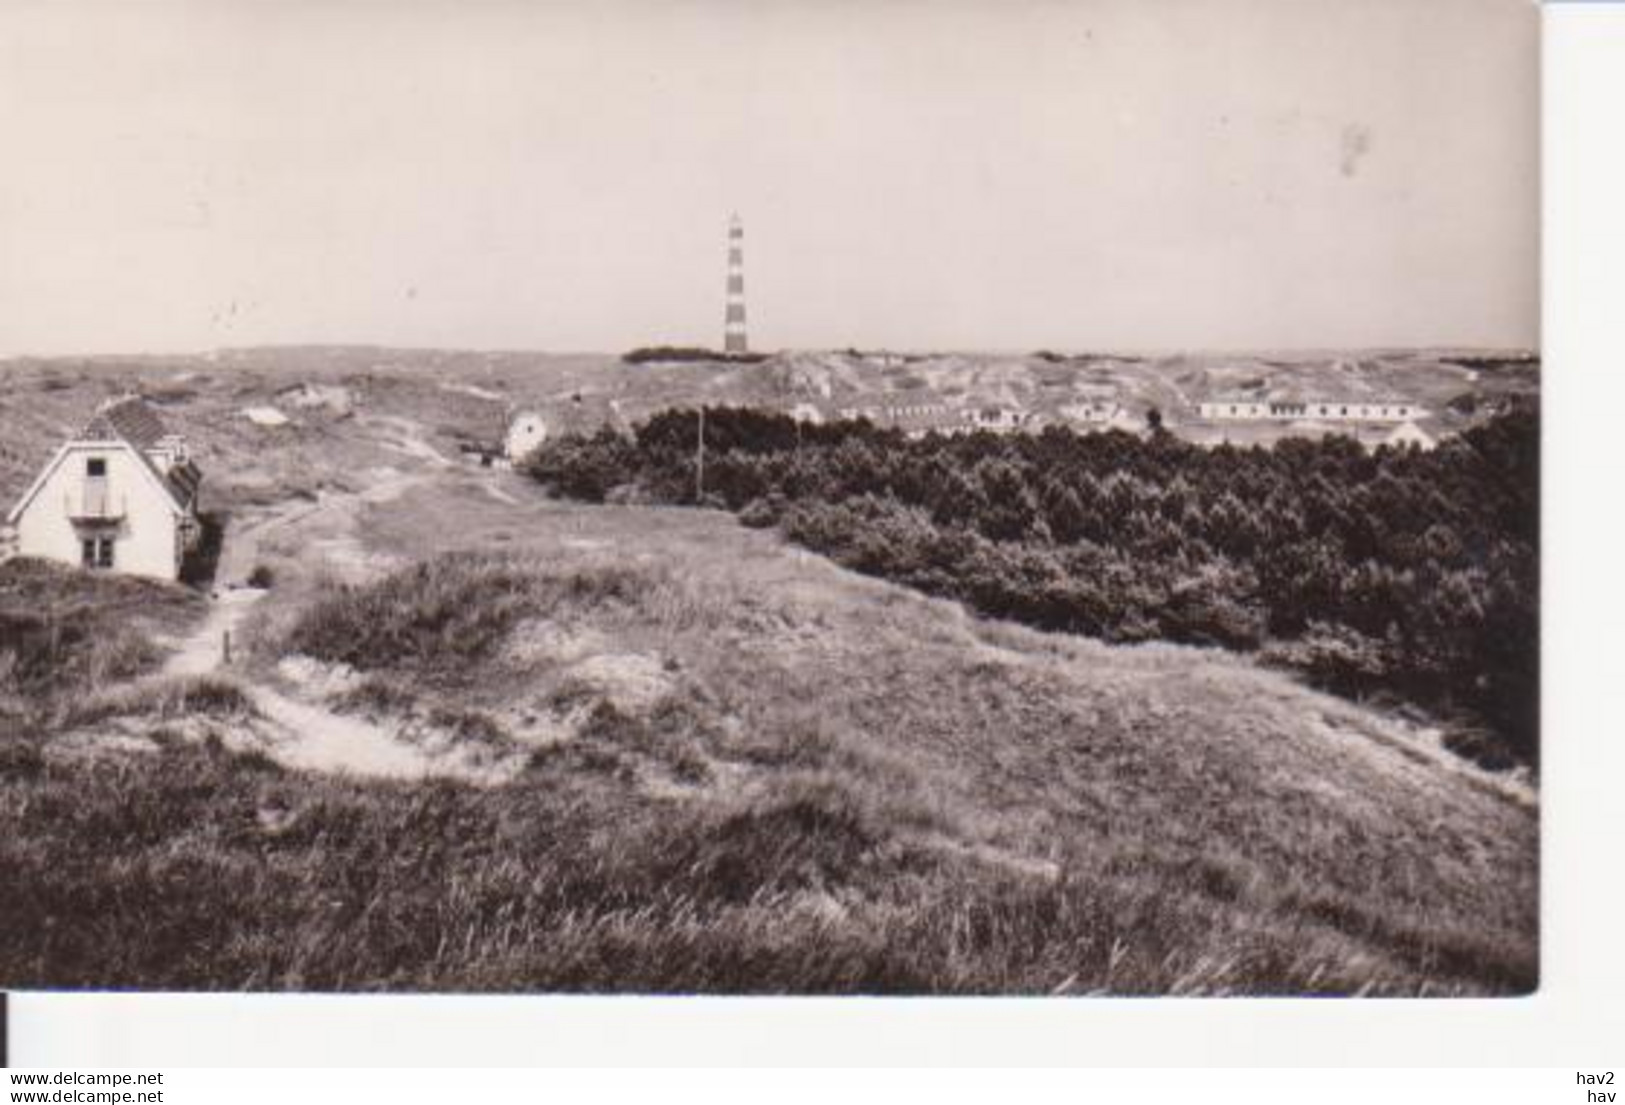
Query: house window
point(96, 552)
point(96, 467)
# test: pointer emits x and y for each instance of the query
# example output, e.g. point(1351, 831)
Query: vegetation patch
point(168, 699)
point(66, 633)
point(1403, 572)
point(193, 868)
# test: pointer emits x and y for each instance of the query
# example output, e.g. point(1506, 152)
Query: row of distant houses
point(917, 417)
point(1255, 409)
point(122, 493)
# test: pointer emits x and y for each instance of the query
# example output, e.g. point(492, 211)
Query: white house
point(120, 496)
point(525, 434)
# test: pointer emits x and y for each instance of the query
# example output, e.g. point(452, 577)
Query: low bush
point(440, 617)
point(1403, 571)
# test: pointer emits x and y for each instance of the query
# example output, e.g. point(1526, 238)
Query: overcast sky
point(947, 174)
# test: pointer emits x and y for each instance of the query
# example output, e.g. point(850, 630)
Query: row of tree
point(1398, 571)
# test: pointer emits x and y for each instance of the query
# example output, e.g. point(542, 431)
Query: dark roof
point(184, 478)
point(132, 420)
point(129, 419)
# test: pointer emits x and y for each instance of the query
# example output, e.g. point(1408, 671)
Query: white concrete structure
point(120, 496)
point(265, 416)
point(525, 435)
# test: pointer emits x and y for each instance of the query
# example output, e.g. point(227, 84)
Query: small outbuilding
point(268, 417)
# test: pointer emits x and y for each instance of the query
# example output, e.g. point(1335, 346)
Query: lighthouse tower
point(733, 325)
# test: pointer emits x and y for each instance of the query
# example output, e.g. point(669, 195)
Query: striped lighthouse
point(733, 324)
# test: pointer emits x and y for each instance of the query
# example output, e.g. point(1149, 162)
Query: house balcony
point(94, 505)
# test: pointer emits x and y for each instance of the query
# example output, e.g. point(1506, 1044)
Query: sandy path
point(320, 740)
point(204, 650)
point(405, 437)
point(303, 734)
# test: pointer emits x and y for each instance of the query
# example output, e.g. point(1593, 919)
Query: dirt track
point(303, 733)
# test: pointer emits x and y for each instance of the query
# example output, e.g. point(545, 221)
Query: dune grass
point(762, 774)
point(66, 633)
point(845, 787)
point(193, 868)
point(167, 699)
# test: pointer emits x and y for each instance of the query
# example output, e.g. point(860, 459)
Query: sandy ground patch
point(476, 391)
point(204, 650)
point(314, 738)
point(540, 640)
point(631, 682)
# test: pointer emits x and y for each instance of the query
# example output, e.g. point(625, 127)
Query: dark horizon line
point(1083, 351)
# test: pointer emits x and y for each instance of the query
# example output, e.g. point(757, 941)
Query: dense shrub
point(583, 468)
point(434, 616)
point(687, 353)
point(1402, 571)
point(439, 618)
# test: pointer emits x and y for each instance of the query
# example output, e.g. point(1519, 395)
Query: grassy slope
point(821, 783)
point(783, 778)
point(1337, 832)
point(64, 634)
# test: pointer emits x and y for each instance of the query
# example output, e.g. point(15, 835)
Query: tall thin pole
point(699, 461)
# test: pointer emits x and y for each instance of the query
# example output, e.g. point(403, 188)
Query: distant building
point(525, 435)
point(269, 417)
point(879, 358)
point(916, 413)
point(807, 412)
point(121, 495)
point(995, 418)
point(1096, 412)
point(1408, 434)
point(1121, 419)
point(1289, 409)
